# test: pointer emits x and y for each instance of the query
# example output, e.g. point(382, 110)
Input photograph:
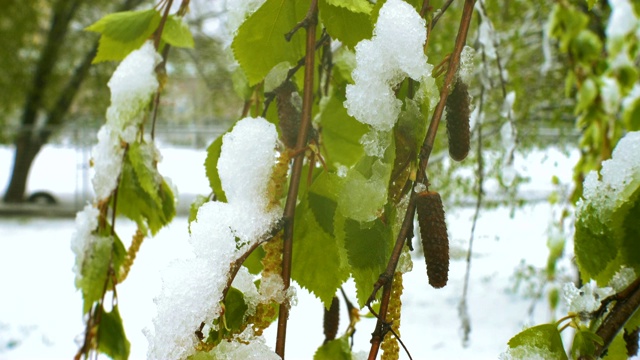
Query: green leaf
point(112, 339)
point(211, 168)
point(232, 320)
point(123, 32)
point(618, 349)
point(365, 187)
point(338, 349)
point(177, 33)
point(584, 344)
point(631, 115)
point(318, 248)
point(254, 262)
point(324, 210)
point(349, 22)
point(94, 271)
point(587, 95)
point(368, 250)
point(260, 42)
point(341, 134)
point(143, 195)
point(544, 337)
point(591, 3)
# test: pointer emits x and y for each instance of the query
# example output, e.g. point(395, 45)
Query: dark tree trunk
point(26, 151)
point(31, 138)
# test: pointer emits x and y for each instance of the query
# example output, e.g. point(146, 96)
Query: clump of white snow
point(221, 233)
point(247, 158)
point(107, 160)
point(585, 300)
point(132, 85)
point(394, 52)
point(467, 63)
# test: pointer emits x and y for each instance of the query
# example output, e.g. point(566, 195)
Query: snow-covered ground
point(41, 310)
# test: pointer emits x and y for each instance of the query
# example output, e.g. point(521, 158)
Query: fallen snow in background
point(41, 308)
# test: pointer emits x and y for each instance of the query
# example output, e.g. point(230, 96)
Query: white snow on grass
point(394, 53)
point(221, 233)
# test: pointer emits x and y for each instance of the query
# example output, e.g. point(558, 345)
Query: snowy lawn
point(41, 310)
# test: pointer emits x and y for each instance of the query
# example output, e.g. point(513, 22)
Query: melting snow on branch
point(585, 300)
point(394, 52)
point(222, 232)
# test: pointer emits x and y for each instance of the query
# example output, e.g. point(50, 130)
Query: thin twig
point(237, 264)
point(296, 172)
point(165, 15)
point(463, 310)
point(425, 151)
point(268, 98)
point(442, 10)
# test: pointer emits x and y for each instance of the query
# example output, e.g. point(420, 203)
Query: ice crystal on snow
point(220, 234)
point(623, 278)
point(585, 300)
point(394, 52)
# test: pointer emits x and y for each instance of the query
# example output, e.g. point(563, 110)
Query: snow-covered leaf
point(341, 134)
point(538, 342)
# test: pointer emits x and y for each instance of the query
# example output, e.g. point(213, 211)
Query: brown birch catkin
point(331, 320)
point(435, 241)
point(458, 129)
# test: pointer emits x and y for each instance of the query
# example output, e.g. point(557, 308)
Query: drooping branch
point(310, 23)
point(425, 151)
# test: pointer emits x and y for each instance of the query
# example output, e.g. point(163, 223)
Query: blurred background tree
point(48, 82)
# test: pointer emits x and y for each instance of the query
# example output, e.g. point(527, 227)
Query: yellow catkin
point(272, 264)
point(278, 181)
point(136, 242)
point(390, 346)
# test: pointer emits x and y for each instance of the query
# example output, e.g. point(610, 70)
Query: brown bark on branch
point(310, 22)
point(627, 303)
